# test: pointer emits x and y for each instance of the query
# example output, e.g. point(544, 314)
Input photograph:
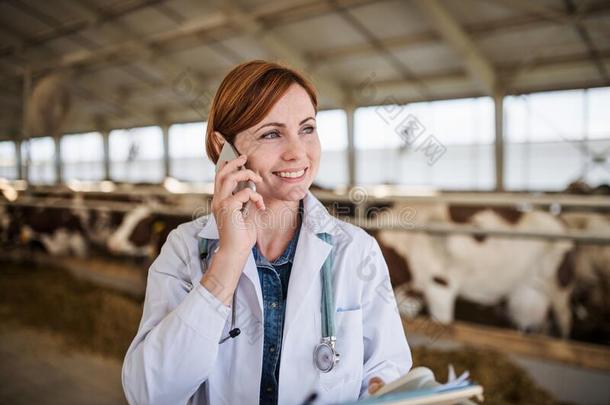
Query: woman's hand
point(375, 385)
point(237, 234)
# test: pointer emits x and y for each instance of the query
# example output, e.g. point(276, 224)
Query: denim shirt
point(274, 278)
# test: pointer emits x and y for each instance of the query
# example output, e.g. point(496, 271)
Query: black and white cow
point(143, 231)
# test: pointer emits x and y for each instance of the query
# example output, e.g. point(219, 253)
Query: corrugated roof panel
point(328, 30)
point(390, 18)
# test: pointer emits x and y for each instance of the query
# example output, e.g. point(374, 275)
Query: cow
point(580, 187)
point(5, 224)
point(143, 231)
point(100, 224)
point(57, 231)
point(532, 276)
point(591, 261)
point(79, 226)
point(7, 194)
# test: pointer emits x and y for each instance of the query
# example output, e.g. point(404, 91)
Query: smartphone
point(228, 152)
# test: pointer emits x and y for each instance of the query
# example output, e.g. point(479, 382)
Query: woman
point(262, 271)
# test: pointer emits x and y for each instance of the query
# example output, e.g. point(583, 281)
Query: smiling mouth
point(291, 175)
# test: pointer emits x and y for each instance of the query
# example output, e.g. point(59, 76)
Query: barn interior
point(470, 136)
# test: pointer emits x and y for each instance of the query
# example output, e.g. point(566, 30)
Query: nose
point(294, 149)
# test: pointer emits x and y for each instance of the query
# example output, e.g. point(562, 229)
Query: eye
point(309, 129)
point(269, 135)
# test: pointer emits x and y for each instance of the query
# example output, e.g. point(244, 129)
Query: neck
point(276, 225)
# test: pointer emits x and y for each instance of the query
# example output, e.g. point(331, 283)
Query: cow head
point(133, 236)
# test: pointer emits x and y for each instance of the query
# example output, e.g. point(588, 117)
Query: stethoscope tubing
point(327, 304)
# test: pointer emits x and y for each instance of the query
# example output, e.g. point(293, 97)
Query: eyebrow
point(279, 124)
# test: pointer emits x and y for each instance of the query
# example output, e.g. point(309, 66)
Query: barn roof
point(140, 62)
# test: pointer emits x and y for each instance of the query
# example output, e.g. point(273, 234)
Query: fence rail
point(194, 211)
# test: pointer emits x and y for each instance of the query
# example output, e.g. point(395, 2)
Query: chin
point(295, 193)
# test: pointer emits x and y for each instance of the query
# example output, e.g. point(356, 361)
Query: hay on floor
point(104, 321)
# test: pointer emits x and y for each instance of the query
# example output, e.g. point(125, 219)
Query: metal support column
point(57, 160)
point(351, 147)
point(166, 161)
point(18, 160)
point(499, 139)
point(106, 142)
point(25, 136)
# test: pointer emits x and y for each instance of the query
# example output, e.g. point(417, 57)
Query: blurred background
point(471, 138)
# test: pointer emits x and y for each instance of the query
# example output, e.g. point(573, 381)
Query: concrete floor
point(36, 368)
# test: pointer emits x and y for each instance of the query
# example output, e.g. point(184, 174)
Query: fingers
point(227, 178)
point(232, 165)
point(226, 167)
point(375, 384)
point(226, 186)
point(237, 201)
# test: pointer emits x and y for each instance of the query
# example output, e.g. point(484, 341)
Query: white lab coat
point(175, 356)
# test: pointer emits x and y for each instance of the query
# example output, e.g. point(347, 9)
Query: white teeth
point(291, 174)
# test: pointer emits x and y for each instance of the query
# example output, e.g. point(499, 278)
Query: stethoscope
point(203, 256)
point(325, 356)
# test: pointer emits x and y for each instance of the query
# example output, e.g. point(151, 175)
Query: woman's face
point(284, 147)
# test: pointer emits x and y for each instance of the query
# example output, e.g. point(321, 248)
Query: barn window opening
point(332, 130)
point(136, 155)
point(82, 156)
point(557, 137)
point(42, 160)
point(188, 159)
point(446, 144)
point(8, 162)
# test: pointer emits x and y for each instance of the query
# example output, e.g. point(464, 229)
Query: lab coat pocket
point(343, 381)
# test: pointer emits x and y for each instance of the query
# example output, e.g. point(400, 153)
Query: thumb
point(375, 384)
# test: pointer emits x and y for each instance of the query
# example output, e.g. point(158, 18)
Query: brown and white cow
point(531, 275)
point(579, 187)
point(592, 261)
point(58, 231)
point(5, 224)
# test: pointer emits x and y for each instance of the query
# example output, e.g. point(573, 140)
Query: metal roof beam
point(585, 36)
point(474, 30)
point(479, 67)
point(165, 68)
point(75, 27)
point(280, 49)
point(403, 70)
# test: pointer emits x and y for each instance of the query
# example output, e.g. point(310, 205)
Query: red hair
point(245, 97)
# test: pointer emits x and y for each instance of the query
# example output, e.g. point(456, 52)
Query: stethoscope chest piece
point(325, 355)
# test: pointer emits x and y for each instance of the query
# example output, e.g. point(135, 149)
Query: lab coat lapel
point(310, 254)
point(210, 231)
